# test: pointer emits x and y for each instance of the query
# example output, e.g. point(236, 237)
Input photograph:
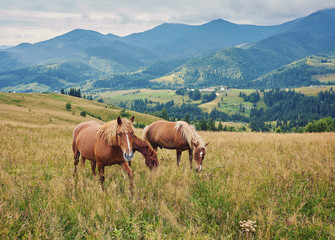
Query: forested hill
point(157, 57)
point(238, 67)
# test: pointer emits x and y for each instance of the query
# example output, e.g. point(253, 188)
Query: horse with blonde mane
point(105, 145)
point(177, 135)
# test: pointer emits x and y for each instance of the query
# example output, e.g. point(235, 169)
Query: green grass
point(229, 104)
point(314, 90)
point(284, 182)
point(34, 106)
point(281, 181)
point(125, 96)
point(325, 78)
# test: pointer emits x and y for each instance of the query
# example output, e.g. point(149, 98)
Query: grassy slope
point(161, 96)
point(285, 182)
point(50, 108)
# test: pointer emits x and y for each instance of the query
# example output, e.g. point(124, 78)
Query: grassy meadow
point(227, 101)
point(284, 182)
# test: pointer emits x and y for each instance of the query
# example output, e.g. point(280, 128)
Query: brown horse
point(105, 145)
point(177, 135)
point(141, 146)
point(146, 150)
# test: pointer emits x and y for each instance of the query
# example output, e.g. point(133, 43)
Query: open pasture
point(284, 182)
point(156, 95)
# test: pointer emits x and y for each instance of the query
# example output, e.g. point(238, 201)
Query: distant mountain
point(75, 45)
point(180, 40)
point(47, 77)
point(219, 53)
point(4, 46)
point(138, 79)
point(238, 67)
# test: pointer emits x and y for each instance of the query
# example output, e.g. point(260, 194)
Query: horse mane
point(189, 133)
point(107, 132)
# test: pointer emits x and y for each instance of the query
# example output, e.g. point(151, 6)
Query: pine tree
point(164, 114)
point(220, 127)
point(187, 118)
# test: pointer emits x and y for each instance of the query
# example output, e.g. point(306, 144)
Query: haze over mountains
point(171, 55)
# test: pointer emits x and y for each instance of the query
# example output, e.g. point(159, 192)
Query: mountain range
point(171, 55)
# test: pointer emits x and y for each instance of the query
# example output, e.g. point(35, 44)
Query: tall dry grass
point(284, 182)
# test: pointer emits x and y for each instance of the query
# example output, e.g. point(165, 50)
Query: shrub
point(68, 106)
point(83, 113)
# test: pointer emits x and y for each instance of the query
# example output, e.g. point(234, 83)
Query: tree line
point(286, 111)
point(196, 95)
point(75, 93)
point(291, 111)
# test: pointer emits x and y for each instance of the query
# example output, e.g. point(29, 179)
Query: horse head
point(199, 154)
point(151, 159)
point(125, 132)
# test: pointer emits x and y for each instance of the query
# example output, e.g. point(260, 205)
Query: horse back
point(164, 134)
point(85, 138)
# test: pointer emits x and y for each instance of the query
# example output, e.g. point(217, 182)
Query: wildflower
point(248, 227)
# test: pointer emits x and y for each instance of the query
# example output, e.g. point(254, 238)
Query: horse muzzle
point(199, 169)
point(128, 157)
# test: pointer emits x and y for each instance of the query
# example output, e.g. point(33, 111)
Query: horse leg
point(190, 156)
point(76, 161)
point(126, 167)
point(178, 156)
point(93, 166)
point(154, 146)
point(101, 169)
point(83, 160)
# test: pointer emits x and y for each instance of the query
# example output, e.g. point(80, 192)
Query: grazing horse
point(147, 151)
point(105, 145)
point(141, 146)
point(177, 135)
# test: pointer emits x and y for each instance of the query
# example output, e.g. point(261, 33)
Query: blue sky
point(37, 20)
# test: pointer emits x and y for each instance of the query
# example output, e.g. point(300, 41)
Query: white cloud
point(36, 20)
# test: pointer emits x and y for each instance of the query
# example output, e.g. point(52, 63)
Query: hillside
point(238, 67)
point(49, 109)
point(47, 77)
point(308, 71)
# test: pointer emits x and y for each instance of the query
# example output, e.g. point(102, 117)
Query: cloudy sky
point(36, 20)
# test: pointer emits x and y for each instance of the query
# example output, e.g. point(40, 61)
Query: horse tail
point(144, 134)
point(74, 145)
point(74, 140)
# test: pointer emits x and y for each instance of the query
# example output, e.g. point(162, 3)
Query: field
point(284, 182)
point(161, 96)
point(227, 101)
point(50, 109)
point(326, 77)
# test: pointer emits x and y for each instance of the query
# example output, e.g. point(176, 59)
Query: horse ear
point(195, 144)
point(132, 119)
point(119, 120)
point(207, 144)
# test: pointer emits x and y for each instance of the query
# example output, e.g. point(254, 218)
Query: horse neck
point(141, 146)
point(189, 133)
